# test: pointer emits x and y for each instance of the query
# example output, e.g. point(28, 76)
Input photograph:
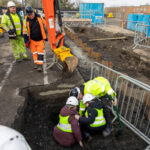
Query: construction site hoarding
point(87, 10)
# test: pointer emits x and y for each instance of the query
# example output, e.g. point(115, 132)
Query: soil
point(41, 115)
point(119, 52)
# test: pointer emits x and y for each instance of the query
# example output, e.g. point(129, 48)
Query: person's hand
point(114, 102)
point(27, 45)
point(80, 143)
point(46, 39)
point(77, 117)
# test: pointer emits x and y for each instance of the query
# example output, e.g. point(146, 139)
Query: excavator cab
point(56, 36)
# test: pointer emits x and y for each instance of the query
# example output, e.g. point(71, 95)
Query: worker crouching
point(37, 36)
point(67, 131)
point(94, 118)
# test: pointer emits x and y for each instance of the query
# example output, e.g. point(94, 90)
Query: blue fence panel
point(87, 10)
point(133, 19)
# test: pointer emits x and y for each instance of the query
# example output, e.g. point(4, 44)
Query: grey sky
point(118, 2)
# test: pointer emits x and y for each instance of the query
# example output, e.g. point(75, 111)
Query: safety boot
point(24, 57)
point(107, 130)
point(40, 68)
point(35, 66)
point(18, 60)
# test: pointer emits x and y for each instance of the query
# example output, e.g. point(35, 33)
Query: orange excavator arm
point(56, 38)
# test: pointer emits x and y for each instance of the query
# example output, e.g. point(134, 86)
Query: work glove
point(46, 39)
point(27, 45)
point(11, 32)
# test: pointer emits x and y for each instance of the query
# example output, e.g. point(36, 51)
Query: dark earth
point(119, 52)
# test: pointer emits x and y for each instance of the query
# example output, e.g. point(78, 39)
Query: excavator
point(56, 38)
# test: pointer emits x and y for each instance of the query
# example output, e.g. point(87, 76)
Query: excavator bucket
point(70, 61)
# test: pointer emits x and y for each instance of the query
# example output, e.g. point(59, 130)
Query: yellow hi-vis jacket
point(64, 124)
point(81, 108)
point(99, 120)
point(17, 21)
point(99, 87)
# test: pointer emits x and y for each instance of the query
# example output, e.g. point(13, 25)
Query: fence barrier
point(133, 100)
point(142, 35)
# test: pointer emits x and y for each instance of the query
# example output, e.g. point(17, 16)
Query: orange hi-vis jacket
point(42, 22)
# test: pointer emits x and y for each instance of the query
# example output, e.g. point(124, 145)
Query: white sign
point(51, 24)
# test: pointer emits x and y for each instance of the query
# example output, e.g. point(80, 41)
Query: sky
point(109, 3)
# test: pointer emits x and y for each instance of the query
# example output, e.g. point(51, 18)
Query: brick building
point(123, 11)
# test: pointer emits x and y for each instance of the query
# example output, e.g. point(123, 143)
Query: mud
point(119, 52)
point(41, 115)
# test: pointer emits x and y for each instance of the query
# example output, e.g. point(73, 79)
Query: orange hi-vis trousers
point(37, 50)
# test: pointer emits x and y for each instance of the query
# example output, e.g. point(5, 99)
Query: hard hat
point(72, 101)
point(11, 4)
point(12, 140)
point(75, 92)
point(29, 10)
point(88, 98)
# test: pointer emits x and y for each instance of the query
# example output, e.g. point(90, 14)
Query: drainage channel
point(41, 112)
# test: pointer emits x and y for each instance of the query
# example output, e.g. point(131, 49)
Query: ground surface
point(40, 117)
point(119, 52)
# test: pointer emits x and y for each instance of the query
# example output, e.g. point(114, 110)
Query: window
point(141, 9)
point(145, 9)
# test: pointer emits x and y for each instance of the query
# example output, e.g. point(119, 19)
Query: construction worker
point(94, 119)
point(76, 92)
point(67, 131)
point(13, 24)
point(12, 140)
point(99, 87)
point(35, 30)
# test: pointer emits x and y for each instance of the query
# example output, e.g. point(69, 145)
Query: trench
point(41, 115)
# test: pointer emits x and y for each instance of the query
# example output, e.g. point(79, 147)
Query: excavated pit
point(43, 105)
point(119, 52)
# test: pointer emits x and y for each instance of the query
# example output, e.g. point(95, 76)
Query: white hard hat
point(12, 140)
point(11, 4)
point(72, 101)
point(87, 98)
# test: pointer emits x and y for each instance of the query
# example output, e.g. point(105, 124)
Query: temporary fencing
point(142, 35)
point(133, 99)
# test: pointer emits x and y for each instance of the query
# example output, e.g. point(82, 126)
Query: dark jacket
point(35, 29)
point(65, 138)
point(92, 114)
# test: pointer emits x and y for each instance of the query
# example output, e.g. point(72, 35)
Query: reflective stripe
point(41, 53)
point(17, 23)
point(102, 85)
point(98, 122)
point(110, 92)
point(18, 29)
point(34, 53)
point(100, 117)
point(11, 26)
point(65, 126)
point(38, 61)
point(82, 109)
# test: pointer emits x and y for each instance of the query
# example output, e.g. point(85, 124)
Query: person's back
point(67, 131)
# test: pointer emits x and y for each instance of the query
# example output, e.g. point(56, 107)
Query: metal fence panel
point(133, 99)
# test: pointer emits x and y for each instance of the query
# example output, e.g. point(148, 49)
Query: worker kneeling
point(94, 119)
point(67, 131)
